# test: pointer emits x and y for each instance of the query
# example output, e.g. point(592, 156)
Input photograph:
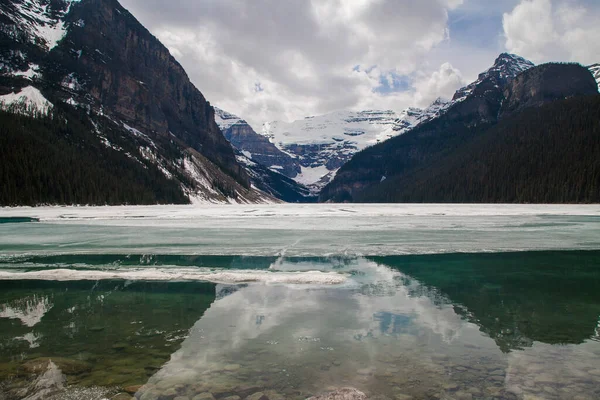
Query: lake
point(276, 302)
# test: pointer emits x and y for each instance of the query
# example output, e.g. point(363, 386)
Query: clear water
point(428, 302)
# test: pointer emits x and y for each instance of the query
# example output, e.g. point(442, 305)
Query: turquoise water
point(104, 321)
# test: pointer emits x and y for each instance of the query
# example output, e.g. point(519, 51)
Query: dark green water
point(455, 326)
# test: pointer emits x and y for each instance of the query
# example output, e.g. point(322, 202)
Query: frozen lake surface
point(302, 230)
point(398, 301)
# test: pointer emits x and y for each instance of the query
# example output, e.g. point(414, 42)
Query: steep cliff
point(241, 135)
point(547, 83)
point(94, 57)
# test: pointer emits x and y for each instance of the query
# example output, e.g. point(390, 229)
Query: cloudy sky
point(270, 60)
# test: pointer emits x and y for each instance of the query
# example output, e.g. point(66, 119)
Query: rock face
point(256, 147)
point(126, 70)
point(275, 184)
point(270, 169)
point(95, 57)
point(322, 144)
point(547, 83)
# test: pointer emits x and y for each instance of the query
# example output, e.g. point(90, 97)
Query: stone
point(119, 346)
point(246, 390)
point(273, 395)
point(463, 396)
point(450, 386)
point(170, 393)
point(342, 394)
point(96, 328)
point(133, 389)
point(595, 372)
point(66, 365)
point(122, 396)
point(150, 395)
point(232, 398)
point(181, 398)
point(257, 396)
point(204, 396)
point(231, 367)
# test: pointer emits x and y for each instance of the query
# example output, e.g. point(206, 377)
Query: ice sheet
point(301, 230)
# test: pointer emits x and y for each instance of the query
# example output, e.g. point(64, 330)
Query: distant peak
point(513, 59)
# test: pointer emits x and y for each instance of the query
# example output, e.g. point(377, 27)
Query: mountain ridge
point(106, 64)
point(425, 146)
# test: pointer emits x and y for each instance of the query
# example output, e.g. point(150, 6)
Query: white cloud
point(546, 30)
point(302, 52)
point(442, 83)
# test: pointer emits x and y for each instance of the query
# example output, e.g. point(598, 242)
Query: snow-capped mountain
point(322, 144)
point(91, 61)
point(478, 103)
point(506, 67)
point(595, 70)
point(256, 147)
point(270, 169)
point(411, 117)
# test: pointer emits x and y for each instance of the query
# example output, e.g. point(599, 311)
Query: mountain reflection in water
point(431, 326)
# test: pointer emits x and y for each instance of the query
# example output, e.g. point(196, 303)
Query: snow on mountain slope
point(595, 70)
point(40, 21)
point(506, 67)
point(226, 120)
point(24, 101)
point(411, 117)
point(322, 144)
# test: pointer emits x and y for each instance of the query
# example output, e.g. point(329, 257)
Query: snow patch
point(31, 73)
point(28, 97)
point(311, 175)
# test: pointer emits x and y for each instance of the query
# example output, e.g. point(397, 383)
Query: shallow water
point(392, 319)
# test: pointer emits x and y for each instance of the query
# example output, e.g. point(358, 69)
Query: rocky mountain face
point(312, 150)
point(546, 83)
point(320, 145)
point(94, 56)
point(508, 87)
point(270, 169)
point(256, 147)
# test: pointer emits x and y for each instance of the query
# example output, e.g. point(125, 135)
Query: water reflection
point(516, 299)
point(488, 326)
point(106, 333)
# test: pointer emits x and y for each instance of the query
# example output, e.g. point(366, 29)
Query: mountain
point(270, 169)
point(256, 147)
point(322, 144)
point(92, 61)
point(423, 163)
point(275, 184)
point(317, 146)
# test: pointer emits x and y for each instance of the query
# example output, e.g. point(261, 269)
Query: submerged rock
point(132, 389)
point(66, 365)
point(342, 394)
point(258, 396)
point(121, 396)
point(204, 396)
